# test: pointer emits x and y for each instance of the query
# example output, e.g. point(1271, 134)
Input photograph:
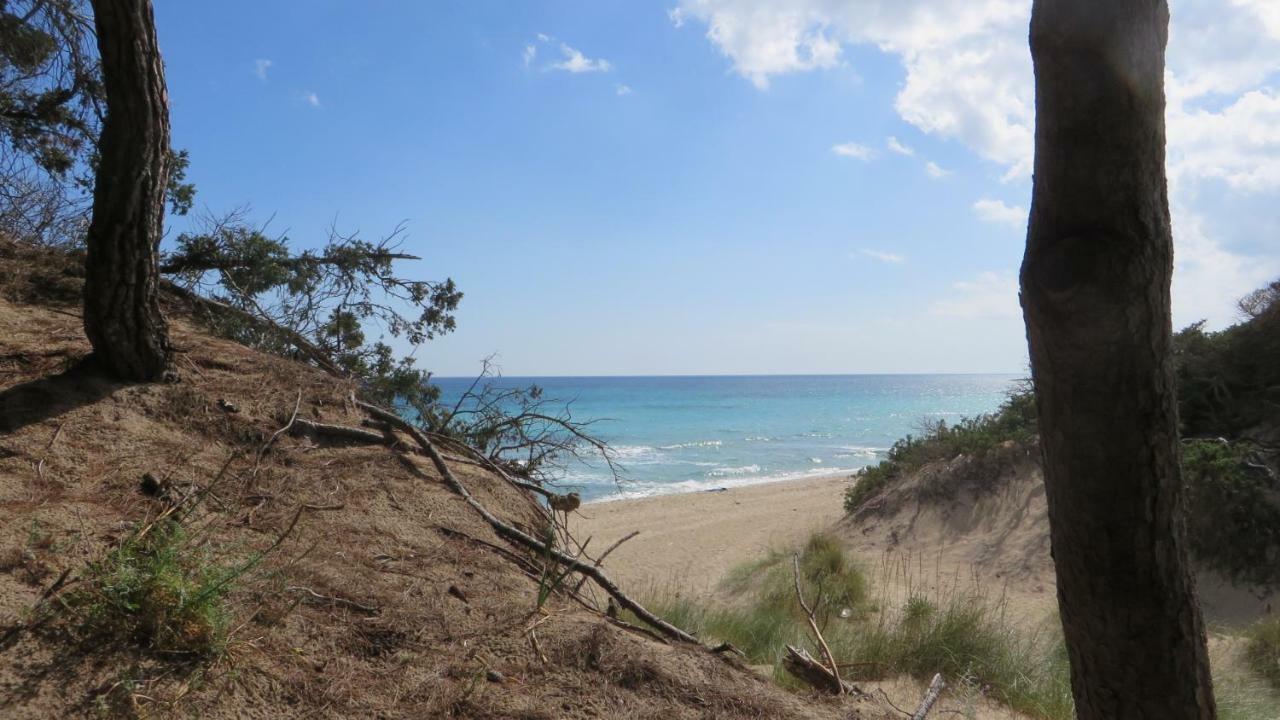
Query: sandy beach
point(692, 539)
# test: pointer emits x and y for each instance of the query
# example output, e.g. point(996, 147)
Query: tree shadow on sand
point(48, 397)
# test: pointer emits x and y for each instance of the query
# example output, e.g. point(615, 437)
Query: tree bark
point(121, 293)
point(1095, 297)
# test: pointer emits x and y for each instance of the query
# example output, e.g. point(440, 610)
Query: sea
point(691, 434)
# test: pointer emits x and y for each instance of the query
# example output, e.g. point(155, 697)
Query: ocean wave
point(693, 444)
point(761, 438)
point(815, 461)
point(728, 471)
point(636, 490)
point(860, 451)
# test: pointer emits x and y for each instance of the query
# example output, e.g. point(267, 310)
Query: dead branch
point(521, 538)
point(930, 697)
point(817, 633)
point(605, 554)
point(801, 665)
point(341, 432)
point(335, 600)
point(271, 440)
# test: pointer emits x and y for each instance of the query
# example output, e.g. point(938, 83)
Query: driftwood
point(519, 537)
point(930, 697)
point(802, 666)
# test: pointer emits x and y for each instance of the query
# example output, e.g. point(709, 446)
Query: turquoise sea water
point(685, 434)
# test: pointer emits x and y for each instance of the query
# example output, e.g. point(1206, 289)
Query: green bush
point(1234, 511)
point(1263, 651)
point(162, 591)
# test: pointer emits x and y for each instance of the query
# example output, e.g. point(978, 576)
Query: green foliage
point(163, 591)
point(1234, 526)
point(1263, 650)
point(1229, 381)
point(980, 437)
point(49, 85)
point(331, 298)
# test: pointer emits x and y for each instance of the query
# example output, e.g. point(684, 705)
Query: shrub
point(1263, 651)
point(162, 591)
point(1235, 525)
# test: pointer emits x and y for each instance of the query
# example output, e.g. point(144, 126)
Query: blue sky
point(696, 187)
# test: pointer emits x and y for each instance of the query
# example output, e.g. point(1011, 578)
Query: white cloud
point(260, 68)
point(311, 99)
point(882, 256)
point(936, 171)
point(996, 211)
point(623, 89)
point(530, 54)
point(1239, 144)
point(968, 77)
point(853, 150)
point(968, 70)
point(543, 37)
point(575, 62)
point(990, 294)
point(1207, 279)
point(895, 146)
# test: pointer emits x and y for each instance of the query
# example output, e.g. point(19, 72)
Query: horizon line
point(727, 375)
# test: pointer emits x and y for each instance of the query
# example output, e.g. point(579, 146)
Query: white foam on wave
point(860, 451)
point(636, 491)
point(693, 444)
point(729, 471)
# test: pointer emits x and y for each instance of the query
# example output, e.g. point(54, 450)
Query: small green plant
point(160, 589)
point(1263, 650)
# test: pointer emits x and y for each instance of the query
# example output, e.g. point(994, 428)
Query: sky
point(703, 186)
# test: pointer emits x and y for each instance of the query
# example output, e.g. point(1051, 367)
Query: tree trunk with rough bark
point(1095, 297)
point(122, 316)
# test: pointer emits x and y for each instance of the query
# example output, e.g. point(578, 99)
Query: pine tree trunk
point(1095, 296)
point(121, 305)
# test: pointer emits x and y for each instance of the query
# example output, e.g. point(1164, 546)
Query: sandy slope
point(693, 539)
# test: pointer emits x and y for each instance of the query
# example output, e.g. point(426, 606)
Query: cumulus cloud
point(882, 256)
point(996, 211)
point(311, 98)
point(896, 146)
point(623, 89)
point(853, 150)
point(968, 71)
point(968, 78)
point(260, 68)
point(575, 62)
point(991, 294)
point(935, 171)
point(530, 54)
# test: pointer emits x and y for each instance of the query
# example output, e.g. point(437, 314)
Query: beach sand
point(691, 540)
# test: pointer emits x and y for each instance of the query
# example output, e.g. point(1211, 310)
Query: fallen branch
point(522, 538)
point(833, 666)
point(335, 600)
point(930, 697)
point(341, 432)
point(271, 440)
point(605, 554)
point(802, 666)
